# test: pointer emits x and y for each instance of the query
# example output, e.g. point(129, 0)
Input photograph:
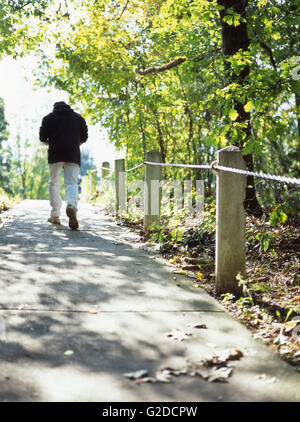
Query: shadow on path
point(81, 308)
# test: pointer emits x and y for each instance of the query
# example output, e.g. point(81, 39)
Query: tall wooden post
point(230, 233)
point(152, 192)
point(84, 188)
point(120, 185)
point(93, 180)
point(104, 175)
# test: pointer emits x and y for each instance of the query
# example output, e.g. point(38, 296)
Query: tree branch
point(161, 68)
point(17, 8)
point(124, 8)
point(269, 52)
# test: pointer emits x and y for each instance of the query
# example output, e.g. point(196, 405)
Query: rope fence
point(230, 210)
point(196, 166)
point(213, 166)
point(216, 167)
point(105, 168)
point(136, 167)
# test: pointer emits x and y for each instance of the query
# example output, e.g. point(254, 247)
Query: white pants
point(71, 172)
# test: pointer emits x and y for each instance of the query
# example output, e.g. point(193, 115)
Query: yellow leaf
point(200, 276)
point(248, 106)
point(296, 298)
point(174, 260)
point(233, 114)
point(223, 140)
point(93, 312)
point(276, 36)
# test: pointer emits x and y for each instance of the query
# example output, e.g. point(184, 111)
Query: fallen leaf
point(202, 372)
point(220, 374)
point(197, 326)
point(163, 377)
point(284, 350)
point(174, 260)
point(200, 276)
point(176, 372)
point(281, 339)
point(289, 326)
point(137, 374)
point(93, 312)
point(213, 374)
point(222, 357)
point(178, 335)
point(146, 379)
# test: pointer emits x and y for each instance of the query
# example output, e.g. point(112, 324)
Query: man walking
point(64, 131)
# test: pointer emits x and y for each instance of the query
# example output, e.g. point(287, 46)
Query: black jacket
point(65, 130)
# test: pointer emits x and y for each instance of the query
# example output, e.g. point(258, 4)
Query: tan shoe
point(72, 214)
point(54, 220)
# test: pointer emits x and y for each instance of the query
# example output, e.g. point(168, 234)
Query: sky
point(25, 106)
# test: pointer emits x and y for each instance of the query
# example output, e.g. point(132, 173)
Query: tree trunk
point(160, 137)
point(236, 38)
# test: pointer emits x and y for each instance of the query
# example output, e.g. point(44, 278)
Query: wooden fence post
point(230, 228)
point(120, 185)
point(152, 194)
point(84, 188)
point(104, 175)
point(93, 180)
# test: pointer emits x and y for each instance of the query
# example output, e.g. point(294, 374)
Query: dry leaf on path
point(145, 379)
point(220, 374)
point(198, 325)
point(137, 374)
point(212, 374)
point(164, 377)
point(178, 335)
point(222, 357)
point(172, 371)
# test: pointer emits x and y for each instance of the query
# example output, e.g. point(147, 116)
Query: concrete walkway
point(78, 309)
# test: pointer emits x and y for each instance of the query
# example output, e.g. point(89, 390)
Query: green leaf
point(248, 106)
point(266, 245)
point(233, 114)
point(278, 216)
point(295, 86)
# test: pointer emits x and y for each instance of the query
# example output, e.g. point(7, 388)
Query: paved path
point(57, 348)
